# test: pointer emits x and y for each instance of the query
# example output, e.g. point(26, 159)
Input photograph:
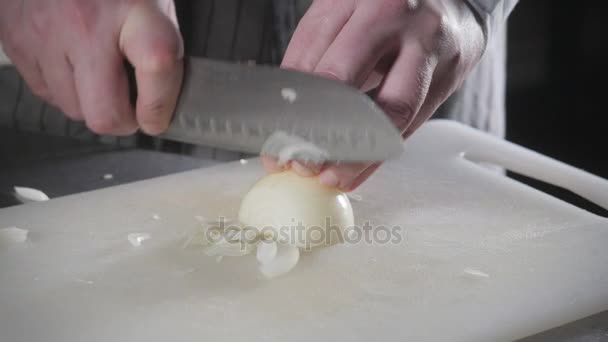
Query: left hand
point(413, 53)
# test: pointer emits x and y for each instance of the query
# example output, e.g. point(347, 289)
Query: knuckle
point(40, 22)
point(401, 111)
point(391, 9)
point(456, 60)
point(436, 25)
point(40, 90)
point(81, 15)
point(163, 58)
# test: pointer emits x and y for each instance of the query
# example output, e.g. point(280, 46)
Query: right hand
point(72, 53)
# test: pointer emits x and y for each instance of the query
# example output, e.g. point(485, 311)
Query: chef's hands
point(413, 53)
point(71, 53)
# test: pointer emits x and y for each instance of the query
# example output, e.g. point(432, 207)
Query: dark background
point(556, 97)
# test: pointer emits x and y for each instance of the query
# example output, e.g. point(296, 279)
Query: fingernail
point(301, 169)
point(329, 179)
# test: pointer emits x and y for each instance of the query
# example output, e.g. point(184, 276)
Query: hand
point(72, 53)
point(412, 53)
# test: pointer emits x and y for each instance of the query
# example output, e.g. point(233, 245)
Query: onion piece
point(286, 259)
point(13, 235)
point(288, 147)
point(355, 197)
point(266, 252)
point(227, 248)
point(476, 273)
point(289, 94)
point(136, 239)
point(30, 195)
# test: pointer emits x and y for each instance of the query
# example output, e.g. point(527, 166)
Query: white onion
point(30, 195)
point(12, 235)
point(267, 251)
point(286, 259)
point(283, 201)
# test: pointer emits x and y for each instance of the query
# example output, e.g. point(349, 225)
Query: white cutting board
point(78, 279)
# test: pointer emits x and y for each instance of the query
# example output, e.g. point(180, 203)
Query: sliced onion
point(285, 260)
point(355, 197)
point(288, 147)
point(476, 273)
point(227, 248)
point(30, 195)
point(136, 239)
point(289, 94)
point(266, 252)
point(12, 235)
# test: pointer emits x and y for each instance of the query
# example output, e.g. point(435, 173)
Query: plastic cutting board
point(484, 258)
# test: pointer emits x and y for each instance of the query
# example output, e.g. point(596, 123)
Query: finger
point(271, 165)
point(59, 76)
point(375, 78)
point(358, 48)
point(30, 71)
point(101, 84)
point(152, 44)
point(316, 31)
point(405, 87)
point(342, 176)
point(306, 169)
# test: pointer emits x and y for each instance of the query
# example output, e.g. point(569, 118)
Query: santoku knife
point(238, 106)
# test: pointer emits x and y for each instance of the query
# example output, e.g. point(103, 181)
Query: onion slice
point(228, 248)
point(136, 239)
point(30, 195)
point(12, 235)
point(288, 147)
point(289, 94)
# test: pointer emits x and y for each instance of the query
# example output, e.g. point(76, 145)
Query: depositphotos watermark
point(307, 237)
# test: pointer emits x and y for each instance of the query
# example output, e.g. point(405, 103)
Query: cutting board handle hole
point(541, 185)
point(561, 193)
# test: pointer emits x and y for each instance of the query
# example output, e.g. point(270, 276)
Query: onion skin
point(297, 209)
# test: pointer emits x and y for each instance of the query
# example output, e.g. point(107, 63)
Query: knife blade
point(238, 107)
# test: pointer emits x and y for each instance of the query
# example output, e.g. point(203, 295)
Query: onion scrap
point(26, 195)
point(13, 235)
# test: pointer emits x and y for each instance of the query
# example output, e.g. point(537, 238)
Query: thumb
point(151, 42)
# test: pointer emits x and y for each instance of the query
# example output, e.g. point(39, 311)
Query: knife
point(238, 107)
